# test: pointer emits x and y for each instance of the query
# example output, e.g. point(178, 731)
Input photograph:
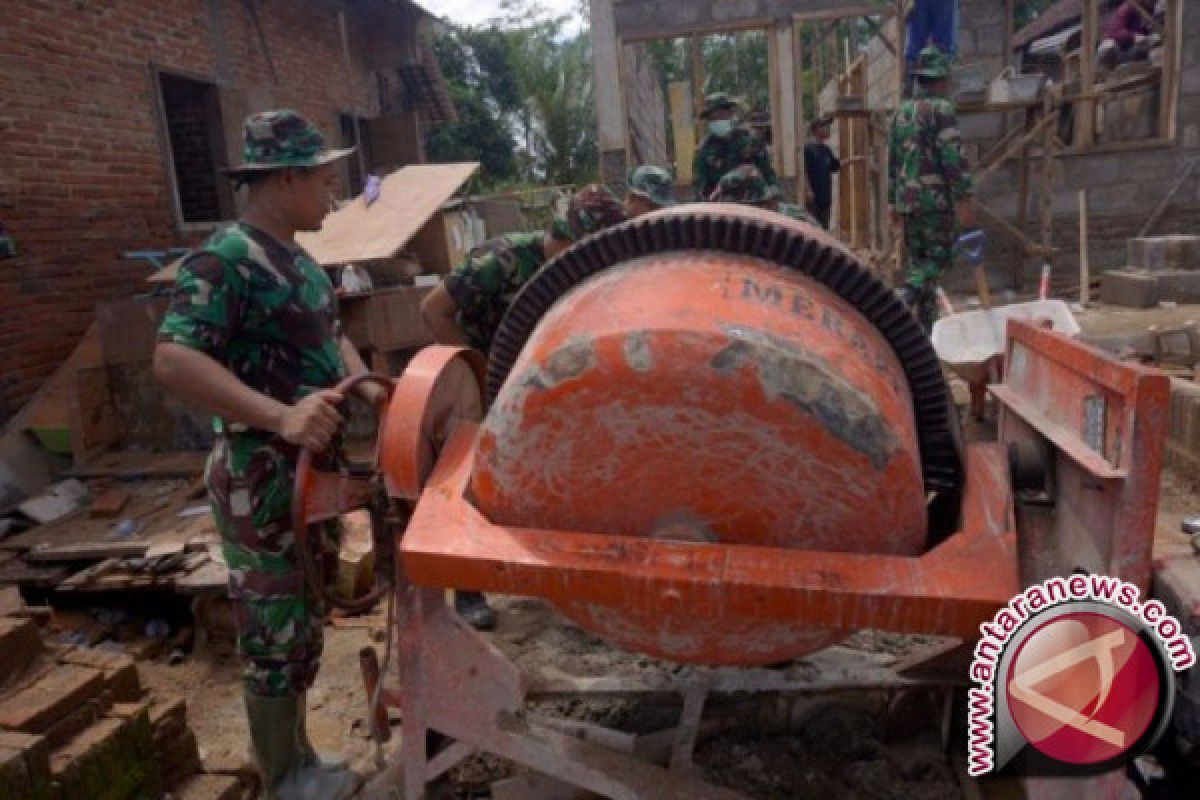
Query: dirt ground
point(850, 748)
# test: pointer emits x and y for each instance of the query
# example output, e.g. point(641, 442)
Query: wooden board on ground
point(33, 576)
point(154, 507)
point(127, 465)
point(407, 199)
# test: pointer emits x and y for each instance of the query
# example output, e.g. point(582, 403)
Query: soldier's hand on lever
point(312, 422)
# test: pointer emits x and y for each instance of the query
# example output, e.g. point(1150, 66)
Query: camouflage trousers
point(929, 239)
point(279, 621)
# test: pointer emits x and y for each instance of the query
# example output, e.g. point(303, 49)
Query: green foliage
point(522, 86)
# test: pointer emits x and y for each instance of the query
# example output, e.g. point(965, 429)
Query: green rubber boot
point(281, 753)
point(272, 722)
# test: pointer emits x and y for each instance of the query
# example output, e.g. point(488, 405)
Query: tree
point(522, 87)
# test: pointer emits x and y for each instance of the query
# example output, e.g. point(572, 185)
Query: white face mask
point(720, 127)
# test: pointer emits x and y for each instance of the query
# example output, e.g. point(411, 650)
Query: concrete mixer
point(710, 435)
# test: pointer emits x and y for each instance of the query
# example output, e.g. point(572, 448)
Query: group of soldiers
point(252, 336)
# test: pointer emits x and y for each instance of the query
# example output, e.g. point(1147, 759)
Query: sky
point(474, 12)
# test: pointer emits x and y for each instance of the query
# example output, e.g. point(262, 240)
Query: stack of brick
point(1183, 439)
point(1162, 269)
point(76, 724)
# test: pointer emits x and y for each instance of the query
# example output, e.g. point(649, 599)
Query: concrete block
point(1176, 252)
point(60, 692)
point(1113, 198)
point(19, 646)
point(1086, 171)
point(1128, 288)
point(1180, 286)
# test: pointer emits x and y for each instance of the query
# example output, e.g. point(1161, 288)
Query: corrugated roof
point(1062, 13)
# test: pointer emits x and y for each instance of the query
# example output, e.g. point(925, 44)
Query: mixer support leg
point(689, 727)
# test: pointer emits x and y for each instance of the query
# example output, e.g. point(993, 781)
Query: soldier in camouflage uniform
point(746, 185)
point(650, 188)
point(252, 335)
point(469, 305)
point(929, 182)
point(726, 146)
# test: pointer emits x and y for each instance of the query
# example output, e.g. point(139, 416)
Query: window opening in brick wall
point(355, 135)
point(191, 112)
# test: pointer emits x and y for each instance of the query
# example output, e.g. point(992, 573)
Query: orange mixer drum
point(709, 397)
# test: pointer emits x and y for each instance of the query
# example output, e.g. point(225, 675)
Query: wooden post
point(1018, 274)
point(696, 51)
point(799, 123)
point(783, 118)
point(1085, 110)
point(1047, 180)
point(610, 116)
point(901, 45)
point(1169, 89)
point(1084, 271)
point(683, 122)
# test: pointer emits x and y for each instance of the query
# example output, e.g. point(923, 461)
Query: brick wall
point(83, 177)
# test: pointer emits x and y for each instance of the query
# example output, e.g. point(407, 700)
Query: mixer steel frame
point(1098, 423)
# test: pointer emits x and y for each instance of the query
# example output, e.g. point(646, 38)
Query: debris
point(108, 503)
point(195, 511)
point(60, 500)
point(126, 527)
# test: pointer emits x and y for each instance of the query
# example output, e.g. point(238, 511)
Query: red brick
point(53, 697)
point(20, 644)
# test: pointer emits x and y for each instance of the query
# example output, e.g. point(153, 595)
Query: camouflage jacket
point(927, 171)
point(485, 284)
point(720, 154)
point(265, 311)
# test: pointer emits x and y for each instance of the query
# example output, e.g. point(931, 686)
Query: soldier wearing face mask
point(725, 147)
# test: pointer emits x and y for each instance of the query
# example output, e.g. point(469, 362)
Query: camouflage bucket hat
point(279, 139)
point(716, 101)
point(593, 208)
point(745, 184)
point(932, 63)
point(654, 184)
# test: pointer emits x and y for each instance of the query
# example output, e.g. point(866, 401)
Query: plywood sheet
point(408, 198)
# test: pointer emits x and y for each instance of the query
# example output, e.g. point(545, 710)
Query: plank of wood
point(108, 503)
point(85, 551)
point(32, 576)
point(407, 199)
point(138, 465)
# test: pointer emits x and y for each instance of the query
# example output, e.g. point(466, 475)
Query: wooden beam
point(785, 134)
point(610, 119)
point(877, 29)
point(1028, 246)
point(1047, 176)
point(1085, 110)
point(730, 26)
point(1039, 128)
point(842, 13)
point(799, 123)
point(1169, 91)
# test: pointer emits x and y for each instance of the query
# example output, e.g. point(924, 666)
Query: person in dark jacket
point(819, 166)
